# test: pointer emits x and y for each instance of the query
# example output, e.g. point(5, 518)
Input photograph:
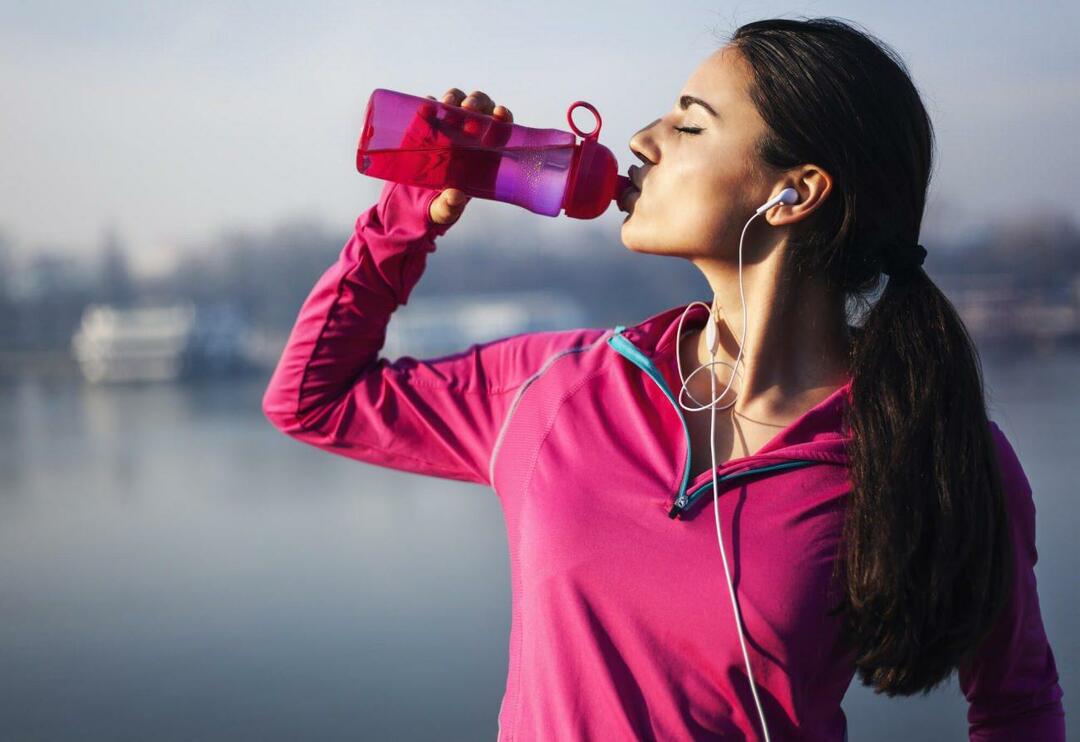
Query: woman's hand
point(449, 205)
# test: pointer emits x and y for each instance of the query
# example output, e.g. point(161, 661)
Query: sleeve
point(438, 417)
point(1012, 685)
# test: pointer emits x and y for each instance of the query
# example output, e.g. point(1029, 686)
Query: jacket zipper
point(683, 501)
point(624, 347)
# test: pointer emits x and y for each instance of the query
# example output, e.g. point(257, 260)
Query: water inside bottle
point(480, 171)
point(439, 146)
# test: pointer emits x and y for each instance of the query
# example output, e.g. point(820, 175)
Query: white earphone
point(786, 196)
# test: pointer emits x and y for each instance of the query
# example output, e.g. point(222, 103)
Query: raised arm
point(439, 417)
point(1012, 687)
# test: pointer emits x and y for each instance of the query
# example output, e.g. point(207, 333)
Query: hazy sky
point(171, 121)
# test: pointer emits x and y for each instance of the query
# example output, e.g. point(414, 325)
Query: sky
point(170, 123)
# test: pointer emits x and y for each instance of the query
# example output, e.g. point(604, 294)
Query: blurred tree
point(115, 285)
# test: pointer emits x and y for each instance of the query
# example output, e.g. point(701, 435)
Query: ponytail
point(927, 553)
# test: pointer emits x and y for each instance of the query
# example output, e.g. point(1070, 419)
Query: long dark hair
point(925, 563)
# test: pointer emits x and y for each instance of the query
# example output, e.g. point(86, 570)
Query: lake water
point(173, 567)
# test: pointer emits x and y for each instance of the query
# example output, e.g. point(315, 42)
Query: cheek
point(703, 220)
point(689, 210)
point(700, 206)
point(682, 220)
point(693, 192)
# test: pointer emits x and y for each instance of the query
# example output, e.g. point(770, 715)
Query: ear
point(813, 185)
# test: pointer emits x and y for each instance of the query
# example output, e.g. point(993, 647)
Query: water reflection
point(172, 567)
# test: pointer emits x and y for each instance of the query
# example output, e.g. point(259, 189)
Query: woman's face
point(698, 189)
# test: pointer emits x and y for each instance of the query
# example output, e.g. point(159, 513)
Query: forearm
point(341, 326)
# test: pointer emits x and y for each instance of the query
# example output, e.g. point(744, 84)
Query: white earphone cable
point(712, 448)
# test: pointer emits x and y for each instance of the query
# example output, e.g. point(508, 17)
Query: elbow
point(276, 417)
point(278, 412)
point(281, 401)
point(283, 414)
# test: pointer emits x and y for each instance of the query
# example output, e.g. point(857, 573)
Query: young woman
point(867, 516)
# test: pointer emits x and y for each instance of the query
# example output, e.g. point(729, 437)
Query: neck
point(796, 342)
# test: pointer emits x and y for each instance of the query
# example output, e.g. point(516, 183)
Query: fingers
point(478, 101)
point(453, 96)
point(448, 206)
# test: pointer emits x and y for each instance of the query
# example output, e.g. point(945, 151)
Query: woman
point(870, 517)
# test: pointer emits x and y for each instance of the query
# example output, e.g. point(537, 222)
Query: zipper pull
point(677, 507)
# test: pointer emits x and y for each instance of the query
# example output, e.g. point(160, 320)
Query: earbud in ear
point(786, 196)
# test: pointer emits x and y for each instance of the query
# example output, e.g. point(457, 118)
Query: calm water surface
point(173, 567)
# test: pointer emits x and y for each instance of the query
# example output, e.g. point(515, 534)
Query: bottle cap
point(594, 172)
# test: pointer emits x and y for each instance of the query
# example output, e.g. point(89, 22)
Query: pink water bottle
point(424, 142)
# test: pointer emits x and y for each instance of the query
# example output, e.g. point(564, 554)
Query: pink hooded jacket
point(621, 624)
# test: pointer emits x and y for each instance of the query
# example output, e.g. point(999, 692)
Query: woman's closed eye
point(687, 129)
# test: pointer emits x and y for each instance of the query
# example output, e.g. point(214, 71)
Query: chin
point(650, 247)
point(644, 247)
point(630, 240)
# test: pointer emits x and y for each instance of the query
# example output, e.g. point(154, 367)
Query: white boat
point(163, 343)
point(141, 344)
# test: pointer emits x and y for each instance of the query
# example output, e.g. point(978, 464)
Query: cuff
point(411, 206)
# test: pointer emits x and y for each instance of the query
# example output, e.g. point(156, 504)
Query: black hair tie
point(903, 264)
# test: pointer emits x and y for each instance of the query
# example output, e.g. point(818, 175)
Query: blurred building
point(160, 343)
point(431, 327)
point(998, 311)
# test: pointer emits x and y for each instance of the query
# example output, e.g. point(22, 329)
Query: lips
point(630, 185)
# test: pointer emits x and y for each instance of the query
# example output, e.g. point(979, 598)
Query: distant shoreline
point(60, 365)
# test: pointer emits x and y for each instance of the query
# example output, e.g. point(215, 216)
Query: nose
point(641, 143)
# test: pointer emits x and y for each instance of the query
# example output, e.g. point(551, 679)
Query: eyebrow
point(688, 100)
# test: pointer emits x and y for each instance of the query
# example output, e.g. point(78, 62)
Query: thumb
point(448, 206)
point(456, 198)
